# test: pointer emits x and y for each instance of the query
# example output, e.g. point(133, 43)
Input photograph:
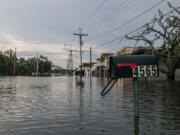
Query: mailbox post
point(134, 66)
point(136, 97)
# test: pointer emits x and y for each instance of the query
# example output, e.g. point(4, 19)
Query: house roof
point(126, 50)
point(104, 55)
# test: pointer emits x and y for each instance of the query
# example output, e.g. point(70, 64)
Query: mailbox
point(133, 66)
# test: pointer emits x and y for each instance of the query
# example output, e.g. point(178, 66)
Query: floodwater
point(59, 106)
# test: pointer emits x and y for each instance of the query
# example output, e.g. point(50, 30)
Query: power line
point(118, 7)
point(93, 13)
point(128, 3)
point(114, 10)
point(129, 21)
point(120, 37)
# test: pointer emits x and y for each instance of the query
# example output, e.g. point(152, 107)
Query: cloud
point(33, 53)
point(51, 23)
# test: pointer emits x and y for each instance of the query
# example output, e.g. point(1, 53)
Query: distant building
point(126, 50)
point(101, 68)
point(86, 67)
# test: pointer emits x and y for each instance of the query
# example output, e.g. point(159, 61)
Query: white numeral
point(145, 71)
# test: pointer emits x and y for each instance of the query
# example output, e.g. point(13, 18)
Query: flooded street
point(58, 105)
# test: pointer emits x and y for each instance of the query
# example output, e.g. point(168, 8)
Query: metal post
point(136, 125)
point(136, 99)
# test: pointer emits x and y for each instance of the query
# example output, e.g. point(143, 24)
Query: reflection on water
point(136, 125)
point(58, 105)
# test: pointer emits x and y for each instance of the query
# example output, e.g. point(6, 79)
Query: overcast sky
point(44, 26)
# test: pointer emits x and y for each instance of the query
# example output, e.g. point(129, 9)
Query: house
point(86, 67)
point(101, 68)
point(126, 50)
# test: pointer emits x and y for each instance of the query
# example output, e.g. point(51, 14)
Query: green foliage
point(44, 65)
point(5, 65)
point(142, 50)
point(23, 66)
point(58, 70)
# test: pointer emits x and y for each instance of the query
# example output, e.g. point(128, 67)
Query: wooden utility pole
point(80, 34)
point(14, 63)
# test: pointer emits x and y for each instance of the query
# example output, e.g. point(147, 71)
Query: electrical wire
point(126, 23)
point(117, 8)
point(120, 37)
point(127, 4)
point(93, 13)
point(120, 6)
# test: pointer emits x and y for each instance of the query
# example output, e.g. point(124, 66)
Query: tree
point(164, 30)
point(44, 65)
point(23, 66)
point(5, 65)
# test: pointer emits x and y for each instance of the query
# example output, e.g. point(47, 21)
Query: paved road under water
point(57, 105)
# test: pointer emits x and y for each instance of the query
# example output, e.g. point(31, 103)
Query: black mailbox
point(133, 66)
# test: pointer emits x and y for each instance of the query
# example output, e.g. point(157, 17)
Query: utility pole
point(80, 34)
point(14, 63)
